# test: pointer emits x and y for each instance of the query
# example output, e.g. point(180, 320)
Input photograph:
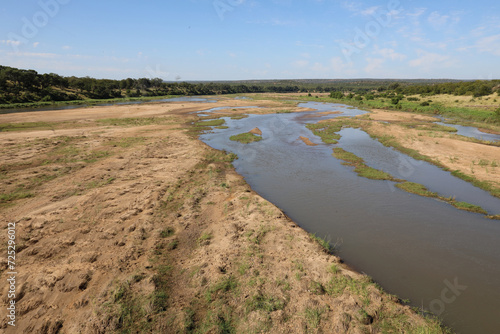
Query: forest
point(28, 86)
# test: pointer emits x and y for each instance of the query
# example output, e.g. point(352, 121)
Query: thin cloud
point(10, 42)
point(429, 60)
point(320, 46)
point(391, 54)
point(370, 11)
point(34, 55)
point(489, 44)
point(300, 63)
point(374, 65)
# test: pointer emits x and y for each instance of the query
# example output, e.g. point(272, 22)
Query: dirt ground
point(126, 223)
point(471, 158)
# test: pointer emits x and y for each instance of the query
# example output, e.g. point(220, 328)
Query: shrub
point(337, 95)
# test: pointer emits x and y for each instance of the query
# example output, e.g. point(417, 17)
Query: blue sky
point(250, 39)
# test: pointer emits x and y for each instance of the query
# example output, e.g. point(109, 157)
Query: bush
point(425, 104)
point(337, 95)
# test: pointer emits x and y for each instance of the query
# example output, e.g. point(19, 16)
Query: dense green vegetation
point(418, 98)
point(27, 86)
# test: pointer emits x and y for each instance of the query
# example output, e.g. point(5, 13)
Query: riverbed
point(444, 260)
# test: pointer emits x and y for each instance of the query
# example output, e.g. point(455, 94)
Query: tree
point(482, 90)
point(337, 95)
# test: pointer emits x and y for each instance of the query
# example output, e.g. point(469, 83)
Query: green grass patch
point(372, 173)
point(468, 207)
point(337, 284)
point(217, 290)
point(316, 288)
point(246, 138)
point(15, 195)
point(360, 167)
point(213, 122)
point(200, 127)
point(221, 321)
point(313, 317)
point(239, 117)
point(127, 142)
point(416, 188)
point(130, 122)
point(261, 302)
point(325, 245)
point(25, 126)
point(359, 287)
point(347, 156)
point(326, 131)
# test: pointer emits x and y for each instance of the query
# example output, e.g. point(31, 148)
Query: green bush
point(337, 95)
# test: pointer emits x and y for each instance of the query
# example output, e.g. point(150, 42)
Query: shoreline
point(138, 215)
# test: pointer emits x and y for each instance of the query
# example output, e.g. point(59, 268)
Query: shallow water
point(413, 246)
point(205, 112)
point(472, 132)
point(404, 167)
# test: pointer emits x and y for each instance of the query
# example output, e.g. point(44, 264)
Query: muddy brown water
point(443, 259)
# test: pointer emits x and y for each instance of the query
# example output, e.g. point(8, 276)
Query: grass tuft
point(264, 303)
point(246, 138)
point(322, 242)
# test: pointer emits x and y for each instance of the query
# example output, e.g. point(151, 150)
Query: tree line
point(24, 86)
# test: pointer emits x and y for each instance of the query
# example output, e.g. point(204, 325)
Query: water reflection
point(409, 244)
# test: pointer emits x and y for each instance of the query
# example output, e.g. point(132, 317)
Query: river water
point(469, 131)
point(441, 258)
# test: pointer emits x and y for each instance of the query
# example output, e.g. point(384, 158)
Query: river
point(443, 259)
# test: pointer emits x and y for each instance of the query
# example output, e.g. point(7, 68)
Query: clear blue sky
point(250, 39)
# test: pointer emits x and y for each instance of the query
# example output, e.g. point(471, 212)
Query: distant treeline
point(473, 88)
point(24, 86)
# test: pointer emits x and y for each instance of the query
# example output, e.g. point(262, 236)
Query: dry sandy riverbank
point(133, 224)
point(417, 132)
